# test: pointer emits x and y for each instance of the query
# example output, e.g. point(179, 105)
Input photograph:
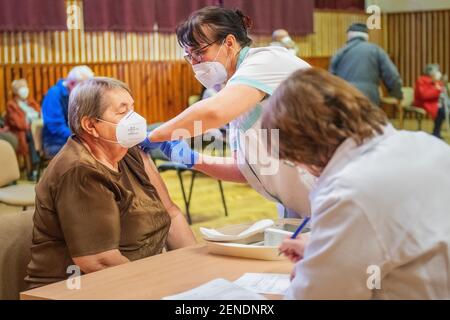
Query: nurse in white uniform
point(381, 205)
point(217, 45)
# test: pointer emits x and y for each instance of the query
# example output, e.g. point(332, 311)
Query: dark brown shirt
point(84, 208)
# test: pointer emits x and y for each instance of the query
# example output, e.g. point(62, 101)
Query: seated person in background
point(380, 207)
point(101, 202)
point(429, 94)
point(21, 111)
point(54, 110)
point(281, 38)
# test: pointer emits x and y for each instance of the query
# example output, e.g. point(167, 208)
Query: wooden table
point(159, 276)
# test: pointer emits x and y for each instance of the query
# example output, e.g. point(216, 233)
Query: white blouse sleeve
point(266, 68)
point(343, 252)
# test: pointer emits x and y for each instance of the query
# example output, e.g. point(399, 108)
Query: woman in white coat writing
point(380, 207)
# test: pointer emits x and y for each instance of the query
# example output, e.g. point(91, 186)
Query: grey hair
point(86, 100)
point(18, 83)
point(80, 73)
point(431, 68)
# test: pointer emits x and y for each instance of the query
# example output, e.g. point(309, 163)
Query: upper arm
point(53, 115)
point(179, 234)
point(158, 183)
point(388, 70)
point(100, 261)
point(50, 105)
point(343, 245)
point(231, 102)
point(213, 113)
point(390, 75)
point(256, 78)
point(333, 66)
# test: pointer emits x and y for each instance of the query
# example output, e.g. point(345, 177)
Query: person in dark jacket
point(54, 110)
point(365, 64)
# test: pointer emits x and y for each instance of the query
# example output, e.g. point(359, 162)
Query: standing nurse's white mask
point(211, 73)
point(130, 131)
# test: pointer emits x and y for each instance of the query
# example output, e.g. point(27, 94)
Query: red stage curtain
point(32, 15)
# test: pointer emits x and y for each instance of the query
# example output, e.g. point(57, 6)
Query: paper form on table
point(265, 283)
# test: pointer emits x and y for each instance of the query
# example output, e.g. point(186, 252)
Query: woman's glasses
point(197, 55)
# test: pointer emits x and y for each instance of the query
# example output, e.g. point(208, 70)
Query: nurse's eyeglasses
point(197, 55)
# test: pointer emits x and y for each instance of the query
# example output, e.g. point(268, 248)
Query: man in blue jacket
point(54, 110)
point(365, 64)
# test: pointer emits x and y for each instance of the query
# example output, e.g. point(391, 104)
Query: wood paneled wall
point(151, 63)
point(330, 28)
point(160, 88)
point(77, 46)
point(416, 39)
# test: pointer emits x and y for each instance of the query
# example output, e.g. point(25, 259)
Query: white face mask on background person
point(437, 75)
point(23, 92)
point(287, 41)
point(290, 45)
point(130, 130)
point(211, 73)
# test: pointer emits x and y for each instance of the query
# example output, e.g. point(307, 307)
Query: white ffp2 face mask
point(23, 92)
point(287, 40)
point(438, 75)
point(211, 73)
point(130, 130)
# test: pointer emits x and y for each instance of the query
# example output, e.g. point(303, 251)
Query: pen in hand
point(299, 229)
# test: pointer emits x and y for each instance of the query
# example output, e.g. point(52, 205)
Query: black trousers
point(438, 122)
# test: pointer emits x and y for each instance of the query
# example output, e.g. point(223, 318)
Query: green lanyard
point(242, 55)
point(256, 112)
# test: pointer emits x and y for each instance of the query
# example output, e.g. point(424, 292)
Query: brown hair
point(315, 112)
point(220, 21)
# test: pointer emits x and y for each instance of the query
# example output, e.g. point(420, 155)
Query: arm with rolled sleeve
point(53, 115)
point(343, 245)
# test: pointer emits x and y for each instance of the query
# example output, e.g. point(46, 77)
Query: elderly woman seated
point(21, 111)
point(101, 202)
point(430, 93)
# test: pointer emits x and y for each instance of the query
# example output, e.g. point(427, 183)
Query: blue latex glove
point(177, 151)
point(148, 146)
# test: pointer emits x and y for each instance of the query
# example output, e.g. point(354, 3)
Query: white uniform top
point(265, 69)
point(386, 205)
